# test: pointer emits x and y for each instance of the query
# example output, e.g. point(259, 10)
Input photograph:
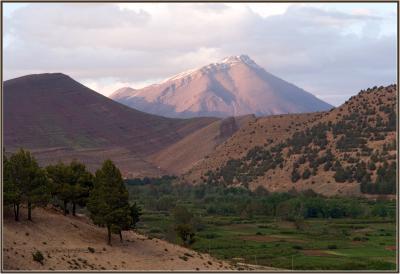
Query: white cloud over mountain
point(332, 50)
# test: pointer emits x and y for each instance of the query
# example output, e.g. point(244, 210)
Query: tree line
point(217, 200)
point(104, 193)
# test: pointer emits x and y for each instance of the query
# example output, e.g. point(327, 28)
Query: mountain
point(350, 150)
point(233, 87)
point(60, 119)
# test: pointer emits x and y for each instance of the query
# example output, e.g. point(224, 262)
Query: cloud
point(327, 50)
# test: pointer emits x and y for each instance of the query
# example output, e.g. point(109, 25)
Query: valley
point(200, 137)
point(299, 231)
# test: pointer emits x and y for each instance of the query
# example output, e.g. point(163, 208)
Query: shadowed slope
point(47, 111)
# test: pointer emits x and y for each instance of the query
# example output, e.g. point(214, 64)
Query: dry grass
point(74, 243)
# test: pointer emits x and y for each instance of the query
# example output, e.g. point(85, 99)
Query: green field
point(366, 242)
point(343, 244)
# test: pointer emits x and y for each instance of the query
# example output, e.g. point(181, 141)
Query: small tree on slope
point(108, 201)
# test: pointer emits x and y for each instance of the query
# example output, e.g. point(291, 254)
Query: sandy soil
point(64, 242)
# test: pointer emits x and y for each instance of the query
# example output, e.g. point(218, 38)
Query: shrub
point(332, 247)
point(183, 258)
point(186, 233)
point(91, 249)
point(306, 174)
point(38, 257)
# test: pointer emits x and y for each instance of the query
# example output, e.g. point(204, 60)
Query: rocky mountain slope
point(233, 87)
point(60, 119)
point(347, 151)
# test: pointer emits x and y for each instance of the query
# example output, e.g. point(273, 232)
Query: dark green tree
point(61, 177)
point(81, 184)
point(135, 213)
point(341, 175)
point(11, 193)
point(29, 181)
point(108, 201)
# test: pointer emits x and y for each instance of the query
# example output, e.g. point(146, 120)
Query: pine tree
point(108, 201)
point(11, 194)
point(81, 184)
point(61, 176)
point(30, 181)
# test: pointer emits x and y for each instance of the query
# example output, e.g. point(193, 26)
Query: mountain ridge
point(233, 87)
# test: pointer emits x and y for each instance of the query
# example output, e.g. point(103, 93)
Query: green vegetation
point(107, 199)
point(272, 228)
point(38, 257)
point(24, 182)
point(71, 183)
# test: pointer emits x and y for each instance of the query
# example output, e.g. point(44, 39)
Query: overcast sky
point(330, 49)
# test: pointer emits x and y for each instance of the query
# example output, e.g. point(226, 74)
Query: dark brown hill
point(59, 118)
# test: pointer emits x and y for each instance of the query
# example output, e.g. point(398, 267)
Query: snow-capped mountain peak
point(245, 59)
point(234, 86)
point(225, 63)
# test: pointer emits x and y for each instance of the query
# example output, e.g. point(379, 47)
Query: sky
point(332, 50)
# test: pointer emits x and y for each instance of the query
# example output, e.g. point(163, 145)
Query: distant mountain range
point(233, 87)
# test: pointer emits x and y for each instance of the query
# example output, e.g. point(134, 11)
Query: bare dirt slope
point(64, 242)
point(184, 154)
